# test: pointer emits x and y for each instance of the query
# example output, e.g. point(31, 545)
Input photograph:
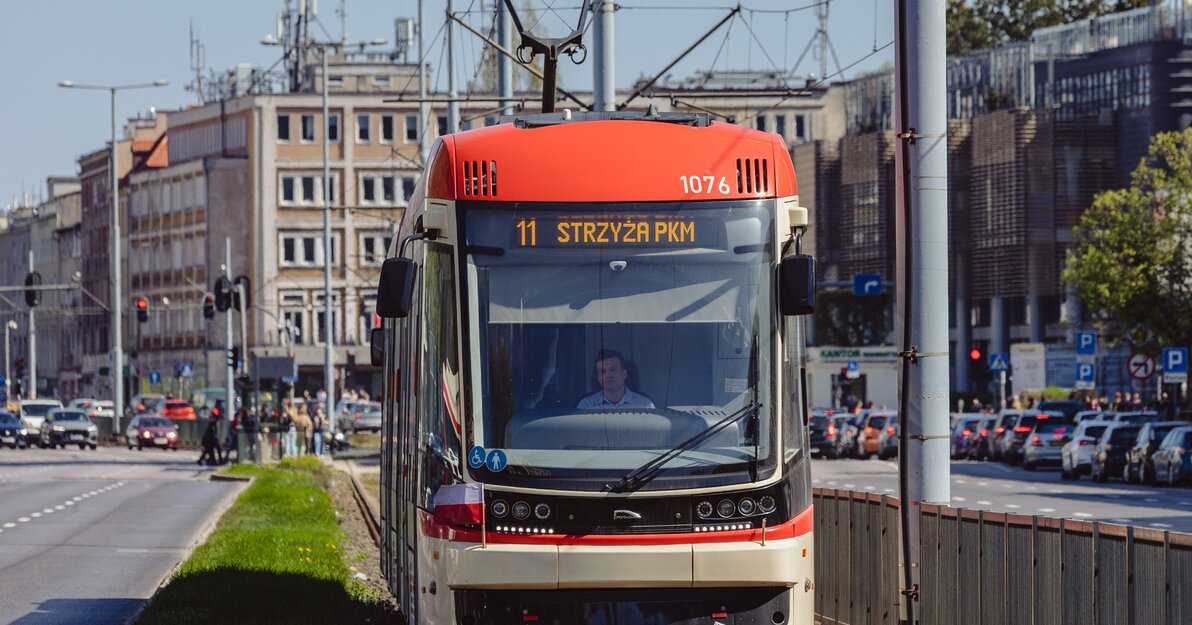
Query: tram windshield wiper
point(639, 476)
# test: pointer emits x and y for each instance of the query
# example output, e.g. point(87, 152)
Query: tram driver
point(611, 373)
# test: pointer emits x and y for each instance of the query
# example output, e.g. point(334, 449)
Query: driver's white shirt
point(629, 399)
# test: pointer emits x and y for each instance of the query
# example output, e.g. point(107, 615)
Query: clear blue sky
point(45, 128)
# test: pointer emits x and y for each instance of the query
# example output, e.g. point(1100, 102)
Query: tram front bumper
point(785, 562)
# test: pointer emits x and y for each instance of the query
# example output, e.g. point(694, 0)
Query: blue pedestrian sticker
point(496, 461)
point(476, 457)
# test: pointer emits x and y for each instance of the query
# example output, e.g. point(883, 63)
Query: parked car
point(1109, 456)
point(33, 413)
point(1136, 417)
point(821, 430)
point(150, 430)
point(870, 430)
point(887, 440)
point(149, 402)
point(962, 431)
point(94, 407)
point(1015, 437)
point(12, 432)
point(1077, 454)
point(68, 426)
point(1045, 443)
point(178, 410)
point(1173, 458)
point(1138, 458)
point(366, 416)
point(1092, 415)
point(978, 443)
point(840, 423)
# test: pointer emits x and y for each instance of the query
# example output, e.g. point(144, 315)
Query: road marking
point(1122, 521)
point(815, 481)
point(59, 507)
point(868, 487)
point(1031, 488)
point(959, 499)
point(1006, 485)
point(959, 481)
point(1056, 491)
point(1151, 500)
point(982, 483)
point(984, 503)
point(69, 503)
point(1162, 525)
point(1046, 509)
point(1186, 503)
point(850, 485)
point(887, 490)
point(1013, 505)
point(23, 519)
point(10, 525)
point(35, 515)
point(832, 483)
point(1083, 515)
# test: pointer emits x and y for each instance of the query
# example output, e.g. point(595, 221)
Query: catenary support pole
point(329, 301)
point(423, 107)
point(922, 264)
point(452, 87)
point(604, 69)
point(117, 345)
point(229, 389)
point(504, 63)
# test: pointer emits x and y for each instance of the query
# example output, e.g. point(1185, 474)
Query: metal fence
point(987, 568)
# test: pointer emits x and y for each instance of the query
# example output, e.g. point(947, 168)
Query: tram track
point(366, 509)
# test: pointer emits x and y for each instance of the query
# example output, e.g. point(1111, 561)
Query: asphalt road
point(88, 536)
point(1000, 488)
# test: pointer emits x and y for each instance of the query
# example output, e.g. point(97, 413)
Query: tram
point(594, 400)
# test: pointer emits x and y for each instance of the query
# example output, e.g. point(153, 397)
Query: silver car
point(364, 416)
point(68, 426)
point(1045, 443)
point(1076, 456)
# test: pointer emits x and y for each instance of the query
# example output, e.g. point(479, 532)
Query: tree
point(1015, 20)
point(966, 30)
point(1131, 260)
point(842, 318)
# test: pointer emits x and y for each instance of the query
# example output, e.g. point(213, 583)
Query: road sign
point(1086, 343)
point(154, 377)
point(853, 370)
point(999, 361)
point(1141, 366)
point(187, 370)
point(1175, 365)
point(867, 284)
point(1086, 375)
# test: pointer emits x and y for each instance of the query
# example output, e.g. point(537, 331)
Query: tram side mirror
point(396, 288)
point(376, 344)
point(796, 285)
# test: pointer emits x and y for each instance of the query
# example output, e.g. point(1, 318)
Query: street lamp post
point(117, 346)
point(8, 328)
point(328, 318)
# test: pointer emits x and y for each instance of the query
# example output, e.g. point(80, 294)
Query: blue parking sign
point(1175, 365)
point(1086, 343)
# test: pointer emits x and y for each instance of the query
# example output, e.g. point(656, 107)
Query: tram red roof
point(610, 161)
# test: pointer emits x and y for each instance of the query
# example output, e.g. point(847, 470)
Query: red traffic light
point(974, 354)
point(142, 303)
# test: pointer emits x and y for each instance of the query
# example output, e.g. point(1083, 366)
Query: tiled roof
point(161, 154)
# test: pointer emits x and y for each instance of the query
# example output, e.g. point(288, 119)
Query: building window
point(335, 81)
point(490, 120)
point(442, 125)
point(305, 189)
point(321, 331)
point(800, 127)
point(374, 246)
point(761, 122)
point(283, 127)
point(381, 81)
point(306, 249)
point(295, 320)
point(308, 128)
point(382, 189)
point(411, 128)
point(362, 129)
point(386, 129)
point(780, 125)
point(333, 128)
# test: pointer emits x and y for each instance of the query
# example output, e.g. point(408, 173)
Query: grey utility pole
point(31, 392)
point(230, 396)
point(452, 88)
point(328, 307)
point(921, 163)
point(423, 108)
point(504, 63)
point(603, 67)
point(8, 328)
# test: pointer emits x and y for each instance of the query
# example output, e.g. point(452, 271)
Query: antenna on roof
point(198, 61)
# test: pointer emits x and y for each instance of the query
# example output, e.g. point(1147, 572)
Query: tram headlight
point(704, 509)
point(766, 504)
point(542, 511)
point(521, 511)
point(726, 508)
point(499, 508)
point(746, 506)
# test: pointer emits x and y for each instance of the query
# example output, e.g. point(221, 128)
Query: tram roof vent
point(753, 175)
point(479, 178)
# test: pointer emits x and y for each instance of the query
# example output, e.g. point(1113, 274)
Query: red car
point(178, 410)
point(151, 431)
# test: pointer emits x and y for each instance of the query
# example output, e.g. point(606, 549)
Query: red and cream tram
point(594, 408)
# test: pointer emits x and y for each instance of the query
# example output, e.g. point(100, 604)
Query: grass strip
point(275, 557)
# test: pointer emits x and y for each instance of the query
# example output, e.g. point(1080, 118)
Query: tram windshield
point(605, 336)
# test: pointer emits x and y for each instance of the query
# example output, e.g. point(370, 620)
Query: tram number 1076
point(704, 184)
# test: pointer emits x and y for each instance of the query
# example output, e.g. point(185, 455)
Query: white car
point(1077, 455)
point(94, 407)
point(33, 414)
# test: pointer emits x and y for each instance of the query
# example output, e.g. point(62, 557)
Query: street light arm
point(69, 84)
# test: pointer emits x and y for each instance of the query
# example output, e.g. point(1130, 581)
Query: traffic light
point(242, 290)
point(350, 369)
point(208, 305)
point(974, 354)
point(32, 296)
point(223, 294)
point(18, 368)
point(142, 304)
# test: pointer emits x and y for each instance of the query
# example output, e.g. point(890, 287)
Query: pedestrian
point(285, 424)
point(302, 430)
point(234, 436)
point(211, 451)
point(251, 426)
point(318, 424)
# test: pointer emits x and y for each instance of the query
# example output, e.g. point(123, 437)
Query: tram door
point(405, 472)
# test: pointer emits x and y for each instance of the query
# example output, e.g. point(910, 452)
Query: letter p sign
point(1175, 359)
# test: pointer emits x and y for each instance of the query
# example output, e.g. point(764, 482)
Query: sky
point(44, 128)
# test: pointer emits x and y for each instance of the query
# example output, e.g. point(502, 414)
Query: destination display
point(627, 230)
